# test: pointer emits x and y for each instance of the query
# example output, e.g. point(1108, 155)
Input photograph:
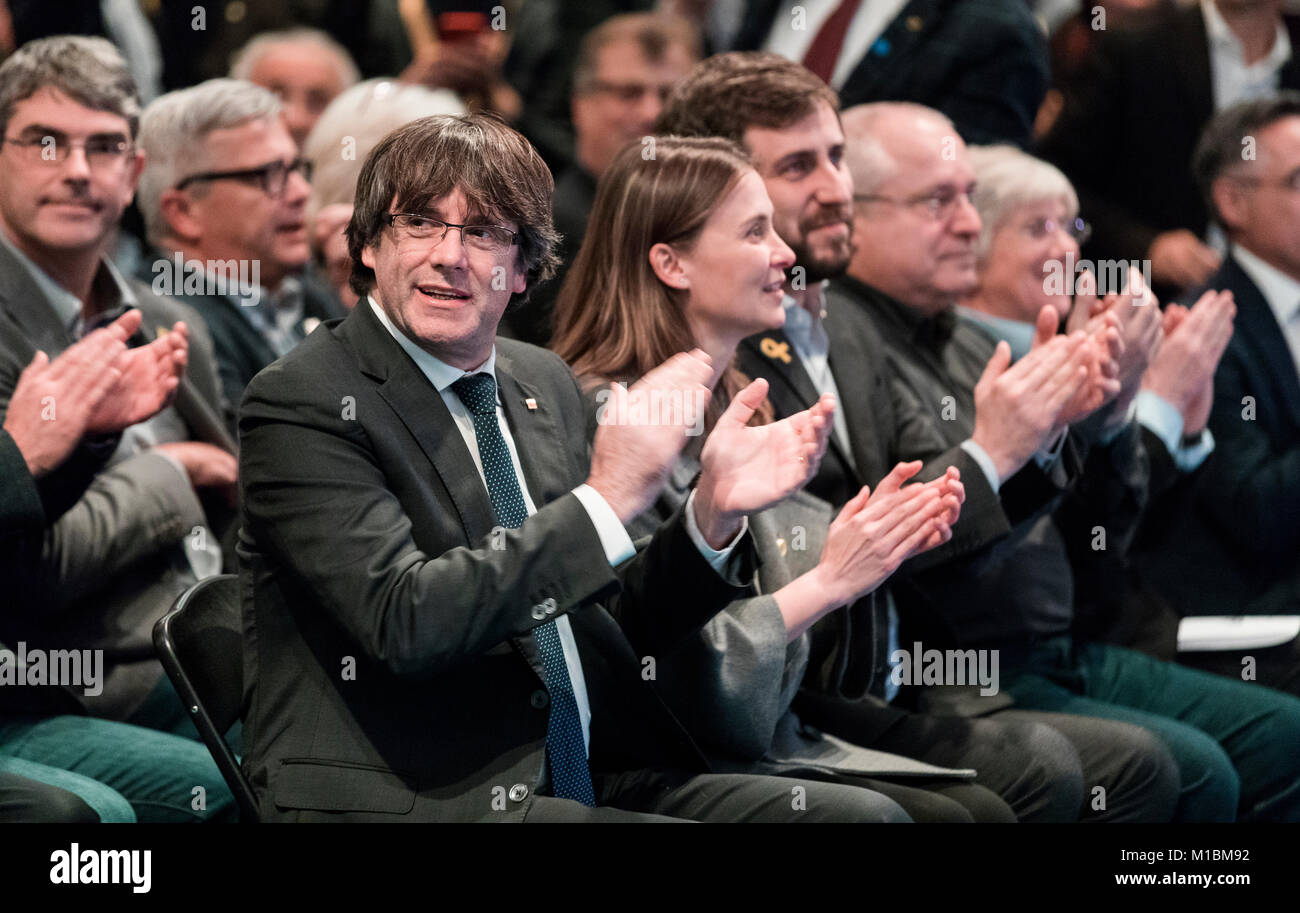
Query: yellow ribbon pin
point(773, 349)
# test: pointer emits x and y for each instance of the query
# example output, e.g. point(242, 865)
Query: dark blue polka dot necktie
point(570, 776)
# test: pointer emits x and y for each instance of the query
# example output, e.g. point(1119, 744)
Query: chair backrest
point(200, 645)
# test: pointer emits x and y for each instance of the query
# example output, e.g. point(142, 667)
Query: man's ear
point(368, 256)
point(134, 168)
point(1230, 201)
point(670, 267)
point(177, 209)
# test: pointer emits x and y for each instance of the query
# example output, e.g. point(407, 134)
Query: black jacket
point(981, 62)
point(368, 539)
point(1129, 124)
point(1232, 546)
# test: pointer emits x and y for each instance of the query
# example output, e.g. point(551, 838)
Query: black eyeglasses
point(272, 177)
point(103, 150)
point(420, 227)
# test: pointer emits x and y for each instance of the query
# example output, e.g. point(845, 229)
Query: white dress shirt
point(805, 331)
point(1232, 78)
point(613, 537)
point(869, 22)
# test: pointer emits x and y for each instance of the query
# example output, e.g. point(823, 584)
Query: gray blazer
point(732, 684)
point(107, 567)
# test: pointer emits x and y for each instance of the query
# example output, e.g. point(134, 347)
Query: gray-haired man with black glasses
point(224, 197)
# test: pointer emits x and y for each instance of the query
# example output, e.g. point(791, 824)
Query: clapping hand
point(633, 450)
point(56, 402)
point(148, 377)
point(748, 468)
point(1182, 372)
point(877, 531)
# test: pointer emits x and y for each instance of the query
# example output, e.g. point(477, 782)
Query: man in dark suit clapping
point(445, 618)
point(1230, 548)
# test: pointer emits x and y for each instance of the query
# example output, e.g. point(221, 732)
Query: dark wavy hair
point(502, 177)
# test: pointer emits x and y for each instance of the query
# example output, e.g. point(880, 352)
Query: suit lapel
point(203, 422)
point(1259, 329)
point(775, 348)
point(855, 378)
point(543, 466)
point(27, 305)
point(888, 59)
point(1289, 77)
point(421, 409)
point(418, 406)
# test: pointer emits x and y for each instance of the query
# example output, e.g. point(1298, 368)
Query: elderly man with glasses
point(224, 197)
point(1020, 594)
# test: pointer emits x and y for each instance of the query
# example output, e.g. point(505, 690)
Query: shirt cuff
point(1106, 437)
point(613, 537)
point(1162, 418)
point(719, 560)
point(1049, 454)
point(981, 456)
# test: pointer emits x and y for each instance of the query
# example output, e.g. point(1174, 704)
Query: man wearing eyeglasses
point(224, 198)
point(917, 232)
point(1038, 763)
point(446, 618)
point(132, 518)
point(624, 70)
point(1230, 546)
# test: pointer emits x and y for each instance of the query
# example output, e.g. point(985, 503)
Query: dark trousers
point(1234, 742)
point(26, 800)
point(1043, 765)
point(927, 800)
point(663, 796)
point(1275, 667)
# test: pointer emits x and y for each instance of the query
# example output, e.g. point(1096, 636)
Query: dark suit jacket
point(1147, 89)
point(241, 350)
point(981, 62)
point(103, 568)
point(368, 540)
point(887, 426)
point(1230, 547)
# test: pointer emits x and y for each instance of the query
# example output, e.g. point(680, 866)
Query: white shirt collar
point(1280, 290)
point(799, 313)
point(440, 374)
point(1222, 35)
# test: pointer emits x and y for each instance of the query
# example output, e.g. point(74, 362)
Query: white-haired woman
point(1029, 242)
point(348, 129)
point(1029, 258)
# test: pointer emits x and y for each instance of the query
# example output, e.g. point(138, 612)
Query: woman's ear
point(670, 267)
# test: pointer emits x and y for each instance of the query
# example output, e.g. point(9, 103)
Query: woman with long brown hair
point(681, 253)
